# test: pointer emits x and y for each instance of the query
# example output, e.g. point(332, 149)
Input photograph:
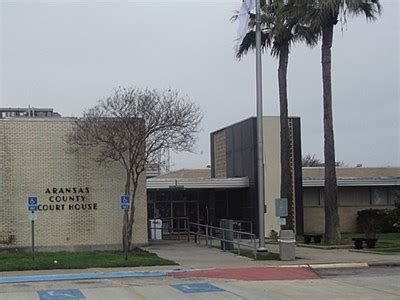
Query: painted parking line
point(60, 294)
point(197, 288)
point(87, 276)
point(84, 276)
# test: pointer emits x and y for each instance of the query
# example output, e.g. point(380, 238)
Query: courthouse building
point(79, 206)
point(228, 190)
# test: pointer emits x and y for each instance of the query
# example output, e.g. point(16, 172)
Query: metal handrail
point(224, 231)
point(208, 234)
point(242, 222)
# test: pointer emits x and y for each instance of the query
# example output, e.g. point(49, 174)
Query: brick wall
point(34, 160)
point(220, 154)
point(314, 218)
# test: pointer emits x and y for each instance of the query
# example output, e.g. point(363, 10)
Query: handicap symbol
point(32, 200)
point(125, 199)
point(61, 294)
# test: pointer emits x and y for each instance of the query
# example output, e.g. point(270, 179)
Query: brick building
point(78, 199)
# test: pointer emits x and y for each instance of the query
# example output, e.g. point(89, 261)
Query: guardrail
point(242, 225)
point(208, 232)
point(211, 233)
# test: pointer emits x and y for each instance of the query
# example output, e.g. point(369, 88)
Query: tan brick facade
point(220, 154)
point(314, 218)
point(36, 160)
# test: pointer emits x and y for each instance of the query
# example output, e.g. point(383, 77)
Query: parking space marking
point(197, 288)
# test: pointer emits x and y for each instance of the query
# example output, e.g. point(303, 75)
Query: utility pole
point(260, 148)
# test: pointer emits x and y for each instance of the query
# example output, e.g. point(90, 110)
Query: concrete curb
point(385, 264)
point(132, 274)
point(329, 266)
point(374, 252)
point(87, 276)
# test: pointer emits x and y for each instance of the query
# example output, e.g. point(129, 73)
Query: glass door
point(178, 211)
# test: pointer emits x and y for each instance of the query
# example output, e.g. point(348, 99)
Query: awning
point(197, 183)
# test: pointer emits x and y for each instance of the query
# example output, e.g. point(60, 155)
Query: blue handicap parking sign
point(125, 206)
point(32, 200)
point(32, 203)
point(125, 201)
point(197, 288)
point(60, 294)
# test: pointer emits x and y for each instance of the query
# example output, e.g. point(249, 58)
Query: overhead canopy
point(383, 181)
point(197, 183)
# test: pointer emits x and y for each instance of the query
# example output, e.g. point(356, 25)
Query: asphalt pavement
point(210, 273)
point(369, 283)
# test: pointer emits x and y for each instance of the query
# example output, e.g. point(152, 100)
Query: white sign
point(282, 221)
point(32, 215)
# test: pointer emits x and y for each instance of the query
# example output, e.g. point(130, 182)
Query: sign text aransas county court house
point(78, 200)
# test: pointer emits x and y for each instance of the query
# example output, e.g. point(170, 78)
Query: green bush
point(371, 221)
point(394, 217)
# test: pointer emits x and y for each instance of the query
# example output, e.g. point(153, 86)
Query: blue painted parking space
point(197, 288)
point(83, 276)
point(60, 294)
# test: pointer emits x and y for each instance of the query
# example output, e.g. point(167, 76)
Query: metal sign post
point(32, 213)
point(125, 205)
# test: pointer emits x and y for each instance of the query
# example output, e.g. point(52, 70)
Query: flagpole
point(260, 150)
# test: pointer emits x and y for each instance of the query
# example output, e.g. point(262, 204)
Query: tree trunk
point(135, 182)
point(125, 239)
point(286, 173)
point(332, 227)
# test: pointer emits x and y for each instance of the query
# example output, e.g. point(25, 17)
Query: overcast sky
point(68, 54)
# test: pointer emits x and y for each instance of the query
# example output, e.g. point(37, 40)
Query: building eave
point(354, 182)
point(206, 183)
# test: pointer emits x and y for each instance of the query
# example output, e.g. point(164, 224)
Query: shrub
point(371, 221)
point(394, 217)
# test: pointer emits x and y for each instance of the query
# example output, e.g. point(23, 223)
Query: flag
point(244, 17)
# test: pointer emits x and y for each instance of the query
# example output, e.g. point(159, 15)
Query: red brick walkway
point(253, 274)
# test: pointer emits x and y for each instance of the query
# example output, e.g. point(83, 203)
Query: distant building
point(358, 189)
point(29, 112)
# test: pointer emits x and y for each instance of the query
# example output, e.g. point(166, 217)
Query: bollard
point(287, 245)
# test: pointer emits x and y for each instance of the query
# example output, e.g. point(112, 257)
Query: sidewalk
point(191, 255)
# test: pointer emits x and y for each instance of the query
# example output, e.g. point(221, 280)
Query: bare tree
point(311, 161)
point(133, 126)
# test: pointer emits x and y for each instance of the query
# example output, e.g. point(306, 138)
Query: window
point(379, 196)
point(394, 194)
point(311, 197)
point(354, 196)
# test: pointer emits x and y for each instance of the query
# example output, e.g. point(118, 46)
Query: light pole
point(260, 148)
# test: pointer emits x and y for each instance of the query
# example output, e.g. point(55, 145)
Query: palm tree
point(278, 34)
point(323, 15)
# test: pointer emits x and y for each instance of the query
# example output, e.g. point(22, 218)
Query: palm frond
point(249, 43)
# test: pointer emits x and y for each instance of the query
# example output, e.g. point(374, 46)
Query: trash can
point(287, 245)
point(227, 244)
point(156, 229)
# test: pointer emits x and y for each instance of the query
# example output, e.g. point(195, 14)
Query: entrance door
point(163, 211)
point(178, 211)
point(192, 211)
